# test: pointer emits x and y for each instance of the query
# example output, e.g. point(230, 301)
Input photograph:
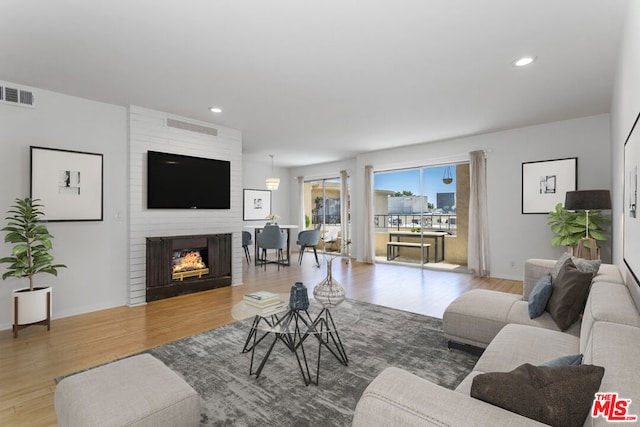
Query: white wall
point(148, 131)
point(95, 252)
point(514, 237)
point(625, 106)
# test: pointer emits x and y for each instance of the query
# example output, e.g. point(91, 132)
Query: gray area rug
point(212, 363)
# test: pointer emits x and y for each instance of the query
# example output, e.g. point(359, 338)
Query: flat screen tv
point(175, 181)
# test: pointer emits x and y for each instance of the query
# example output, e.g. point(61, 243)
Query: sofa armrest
point(534, 268)
point(399, 398)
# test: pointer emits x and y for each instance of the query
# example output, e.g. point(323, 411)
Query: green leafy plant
point(32, 240)
point(569, 226)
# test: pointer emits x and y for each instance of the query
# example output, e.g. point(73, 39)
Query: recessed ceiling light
point(215, 109)
point(524, 61)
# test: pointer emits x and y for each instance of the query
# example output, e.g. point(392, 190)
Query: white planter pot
point(32, 306)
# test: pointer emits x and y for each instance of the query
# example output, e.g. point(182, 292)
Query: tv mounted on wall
point(175, 181)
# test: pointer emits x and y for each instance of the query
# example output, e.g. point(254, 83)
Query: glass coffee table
point(295, 328)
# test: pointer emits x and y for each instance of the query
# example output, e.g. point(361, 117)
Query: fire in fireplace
point(187, 263)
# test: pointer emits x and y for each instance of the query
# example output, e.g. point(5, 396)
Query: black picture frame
point(546, 182)
point(256, 204)
point(631, 218)
point(68, 183)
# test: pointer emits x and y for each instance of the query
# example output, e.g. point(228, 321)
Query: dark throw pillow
point(558, 396)
point(539, 296)
point(570, 291)
point(572, 359)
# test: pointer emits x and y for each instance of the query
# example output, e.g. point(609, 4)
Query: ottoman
point(477, 316)
point(137, 391)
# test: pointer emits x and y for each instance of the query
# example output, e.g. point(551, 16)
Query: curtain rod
point(429, 161)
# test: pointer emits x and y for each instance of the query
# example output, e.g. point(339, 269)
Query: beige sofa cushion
point(518, 344)
point(519, 314)
point(475, 317)
point(607, 302)
point(609, 273)
point(399, 398)
point(534, 268)
point(616, 347)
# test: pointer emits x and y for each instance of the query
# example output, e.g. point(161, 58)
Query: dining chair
point(246, 241)
point(309, 239)
point(271, 237)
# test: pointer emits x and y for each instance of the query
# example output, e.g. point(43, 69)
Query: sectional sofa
point(606, 335)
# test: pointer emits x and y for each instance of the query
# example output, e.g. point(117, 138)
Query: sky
point(410, 180)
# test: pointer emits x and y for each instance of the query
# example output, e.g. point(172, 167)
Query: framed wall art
point(256, 205)
point(68, 184)
point(631, 221)
point(545, 183)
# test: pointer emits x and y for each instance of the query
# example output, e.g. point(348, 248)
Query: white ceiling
point(318, 81)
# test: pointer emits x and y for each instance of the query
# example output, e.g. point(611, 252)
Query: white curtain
point(478, 255)
point(344, 213)
point(369, 247)
point(301, 219)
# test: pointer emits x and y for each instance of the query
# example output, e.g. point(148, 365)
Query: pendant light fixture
point(272, 183)
point(448, 177)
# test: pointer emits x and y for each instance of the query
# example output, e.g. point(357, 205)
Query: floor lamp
point(587, 200)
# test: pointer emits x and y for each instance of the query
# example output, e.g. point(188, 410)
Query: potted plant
point(29, 256)
point(272, 218)
point(570, 227)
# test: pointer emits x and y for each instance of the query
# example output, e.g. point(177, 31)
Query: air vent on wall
point(12, 94)
point(173, 123)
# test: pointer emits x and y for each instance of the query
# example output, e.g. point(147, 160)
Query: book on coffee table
point(265, 304)
point(272, 309)
point(262, 299)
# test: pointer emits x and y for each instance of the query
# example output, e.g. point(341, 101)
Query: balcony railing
point(325, 219)
point(427, 221)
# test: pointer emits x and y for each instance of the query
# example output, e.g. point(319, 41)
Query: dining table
point(288, 228)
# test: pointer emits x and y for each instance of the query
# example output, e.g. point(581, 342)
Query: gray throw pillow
point(572, 359)
point(559, 264)
point(558, 396)
point(569, 296)
point(587, 265)
point(539, 296)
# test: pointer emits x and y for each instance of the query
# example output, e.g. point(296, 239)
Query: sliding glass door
point(416, 213)
point(322, 206)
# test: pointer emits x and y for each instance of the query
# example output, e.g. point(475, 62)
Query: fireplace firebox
point(178, 265)
point(188, 263)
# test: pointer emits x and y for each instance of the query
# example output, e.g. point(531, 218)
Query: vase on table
point(329, 292)
point(298, 298)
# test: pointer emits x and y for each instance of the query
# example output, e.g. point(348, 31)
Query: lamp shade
point(587, 200)
point(272, 183)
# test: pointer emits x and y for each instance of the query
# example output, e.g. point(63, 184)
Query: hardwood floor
point(30, 363)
